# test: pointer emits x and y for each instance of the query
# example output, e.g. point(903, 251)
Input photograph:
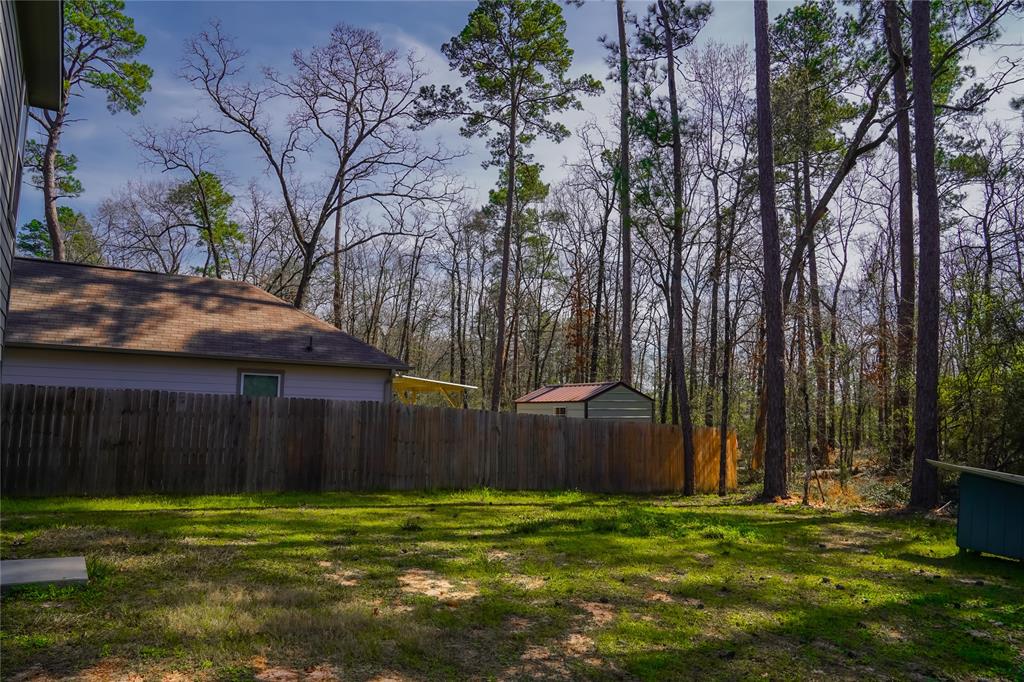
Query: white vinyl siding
point(97, 369)
point(577, 410)
point(620, 403)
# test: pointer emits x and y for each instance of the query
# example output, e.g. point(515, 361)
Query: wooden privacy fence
point(85, 441)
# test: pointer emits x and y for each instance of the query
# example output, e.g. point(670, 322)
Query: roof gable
point(104, 308)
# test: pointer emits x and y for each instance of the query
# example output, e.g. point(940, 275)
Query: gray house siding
point(12, 124)
point(620, 403)
point(97, 369)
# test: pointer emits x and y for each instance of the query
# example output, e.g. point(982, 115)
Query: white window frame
point(246, 373)
point(561, 412)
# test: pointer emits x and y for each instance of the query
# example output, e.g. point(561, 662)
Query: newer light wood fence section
point(84, 441)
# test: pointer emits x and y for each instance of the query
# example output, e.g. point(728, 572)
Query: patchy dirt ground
point(479, 585)
point(417, 581)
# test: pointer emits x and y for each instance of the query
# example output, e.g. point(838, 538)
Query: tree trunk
point(817, 337)
point(666, 416)
point(800, 341)
point(832, 370)
point(682, 396)
point(453, 313)
point(506, 246)
point(882, 341)
point(626, 373)
point(50, 189)
point(801, 352)
point(535, 378)
point(857, 391)
point(924, 488)
point(308, 254)
point(405, 343)
point(723, 445)
point(214, 255)
point(757, 450)
point(774, 369)
point(517, 300)
point(694, 316)
point(336, 261)
point(902, 450)
point(709, 403)
point(595, 338)
point(461, 328)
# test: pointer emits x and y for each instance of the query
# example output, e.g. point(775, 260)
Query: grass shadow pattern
point(486, 585)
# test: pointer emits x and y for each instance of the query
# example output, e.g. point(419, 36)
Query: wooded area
point(739, 240)
point(77, 441)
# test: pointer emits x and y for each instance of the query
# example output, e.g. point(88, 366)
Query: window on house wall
point(559, 411)
point(259, 384)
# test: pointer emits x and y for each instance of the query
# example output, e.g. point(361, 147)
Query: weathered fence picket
point(77, 441)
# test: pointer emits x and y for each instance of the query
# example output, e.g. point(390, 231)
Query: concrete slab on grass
point(65, 570)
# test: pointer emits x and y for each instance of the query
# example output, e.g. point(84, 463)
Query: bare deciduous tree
point(351, 100)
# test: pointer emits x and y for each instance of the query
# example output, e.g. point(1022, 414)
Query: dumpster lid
point(987, 473)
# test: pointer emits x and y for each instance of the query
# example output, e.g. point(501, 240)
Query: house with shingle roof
point(598, 400)
point(106, 327)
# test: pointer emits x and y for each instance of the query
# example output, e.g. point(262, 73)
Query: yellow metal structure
point(408, 389)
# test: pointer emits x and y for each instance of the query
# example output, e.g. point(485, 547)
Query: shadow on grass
point(745, 588)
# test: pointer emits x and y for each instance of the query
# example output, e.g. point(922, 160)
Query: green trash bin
point(991, 513)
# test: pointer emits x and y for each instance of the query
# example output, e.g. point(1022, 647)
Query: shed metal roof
point(572, 393)
point(1016, 479)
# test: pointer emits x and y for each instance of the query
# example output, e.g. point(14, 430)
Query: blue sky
point(272, 30)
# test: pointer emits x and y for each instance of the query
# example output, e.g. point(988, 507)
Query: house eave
point(204, 356)
point(41, 34)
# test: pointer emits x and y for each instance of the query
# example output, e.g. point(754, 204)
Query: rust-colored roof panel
point(103, 308)
point(533, 395)
point(566, 393)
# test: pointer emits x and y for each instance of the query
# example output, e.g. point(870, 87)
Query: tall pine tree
point(515, 58)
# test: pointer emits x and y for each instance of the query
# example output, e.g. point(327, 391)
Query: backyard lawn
point(488, 585)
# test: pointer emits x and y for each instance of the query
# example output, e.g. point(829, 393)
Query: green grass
point(492, 585)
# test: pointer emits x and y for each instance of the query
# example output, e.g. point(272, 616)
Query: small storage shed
point(603, 400)
point(990, 517)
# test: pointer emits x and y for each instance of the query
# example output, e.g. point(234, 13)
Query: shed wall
point(577, 410)
point(95, 369)
point(991, 516)
point(620, 403)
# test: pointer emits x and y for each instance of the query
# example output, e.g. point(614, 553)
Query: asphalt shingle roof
point(103, 308)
